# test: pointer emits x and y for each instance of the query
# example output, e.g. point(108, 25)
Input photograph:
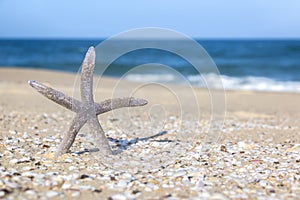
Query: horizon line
point(148, 38)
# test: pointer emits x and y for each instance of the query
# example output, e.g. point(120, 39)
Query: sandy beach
point(256, 153)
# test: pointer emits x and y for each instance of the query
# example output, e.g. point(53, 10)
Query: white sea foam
point(150, 77)
point(228, 82)
point(249, 83)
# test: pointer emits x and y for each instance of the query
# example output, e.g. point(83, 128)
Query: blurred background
point(255, 44)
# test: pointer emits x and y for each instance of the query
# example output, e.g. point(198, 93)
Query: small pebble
point(118, 197)
point(51, 194)
point(68, 160)
point(30, 192)
point(13, 161)
point(71, 168)
point(2, 193)
point(75, 194)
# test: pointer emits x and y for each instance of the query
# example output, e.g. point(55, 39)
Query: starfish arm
point(99, 136)
point(56, 96)
point(86, 85)
point(69, 137)
point(112, 104)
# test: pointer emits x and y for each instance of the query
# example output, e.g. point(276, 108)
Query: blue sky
point(200, 19)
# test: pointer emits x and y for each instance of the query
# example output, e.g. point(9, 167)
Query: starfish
point(87, 110)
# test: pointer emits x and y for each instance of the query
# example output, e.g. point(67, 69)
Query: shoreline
point(10, 70)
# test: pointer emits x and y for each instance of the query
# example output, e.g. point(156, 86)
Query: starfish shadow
point(124, 144)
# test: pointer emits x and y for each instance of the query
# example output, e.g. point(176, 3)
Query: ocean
point(260, 65)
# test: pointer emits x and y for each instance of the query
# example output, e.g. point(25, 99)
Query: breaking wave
point(229, 83)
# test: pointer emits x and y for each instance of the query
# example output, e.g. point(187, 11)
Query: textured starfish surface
point(86, 110)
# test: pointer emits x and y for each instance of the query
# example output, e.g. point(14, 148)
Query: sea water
point(263, 65)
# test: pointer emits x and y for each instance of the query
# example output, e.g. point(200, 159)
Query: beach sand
point(163, 153)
